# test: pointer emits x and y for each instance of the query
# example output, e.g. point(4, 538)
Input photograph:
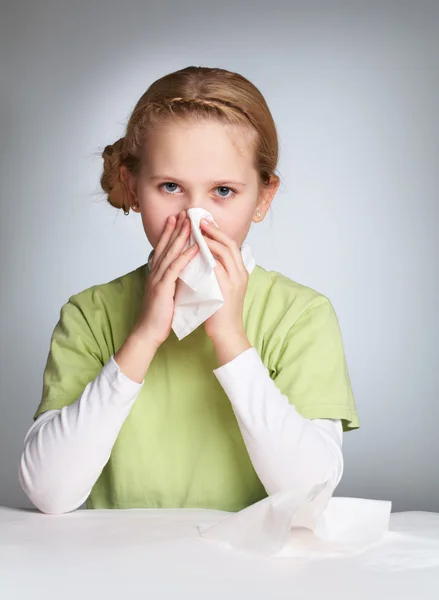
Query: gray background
point(353, 88)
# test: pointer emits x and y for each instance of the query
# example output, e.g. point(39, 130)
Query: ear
point(129, 184)
point(266, 195)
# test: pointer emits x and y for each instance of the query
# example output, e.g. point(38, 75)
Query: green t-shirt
point(180, 445)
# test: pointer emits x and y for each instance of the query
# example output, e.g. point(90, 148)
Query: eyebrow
point(175, 180)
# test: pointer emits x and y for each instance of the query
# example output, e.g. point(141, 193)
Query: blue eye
point(171, 188)
point(170, 183)
point(223, 187)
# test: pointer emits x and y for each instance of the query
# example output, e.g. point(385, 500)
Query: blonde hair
point(193, 92)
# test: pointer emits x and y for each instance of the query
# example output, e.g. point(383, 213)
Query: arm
point(290, 415)
point(287, 450)
point(65, 450)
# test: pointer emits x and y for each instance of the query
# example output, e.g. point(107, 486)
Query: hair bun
point(110, 178)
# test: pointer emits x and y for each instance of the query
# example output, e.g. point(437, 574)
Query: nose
point(196, 199)
point(188, 205)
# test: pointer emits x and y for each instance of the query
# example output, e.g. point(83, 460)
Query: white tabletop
point(154, 554)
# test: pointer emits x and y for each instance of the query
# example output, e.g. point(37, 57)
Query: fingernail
point(205, 222)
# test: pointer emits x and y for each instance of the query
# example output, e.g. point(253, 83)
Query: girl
point(254, 400)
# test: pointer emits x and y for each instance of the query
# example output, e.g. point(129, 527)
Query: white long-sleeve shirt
point(66, 450)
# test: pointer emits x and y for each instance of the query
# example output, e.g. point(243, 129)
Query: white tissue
point(198, 294)
point(304, 524)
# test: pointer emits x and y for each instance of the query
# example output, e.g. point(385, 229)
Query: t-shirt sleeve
point(311, 368)
point(74, 359)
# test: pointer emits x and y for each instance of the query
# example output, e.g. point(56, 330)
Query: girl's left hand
point(232, 277)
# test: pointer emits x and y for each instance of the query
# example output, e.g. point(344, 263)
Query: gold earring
point(258, 213)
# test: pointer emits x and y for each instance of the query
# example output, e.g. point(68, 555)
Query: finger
point(213, 232)
point(177, 265)
point(169, 227)
point(216, 233)
point(224, 256)
point(175, 249)
point(169, 252)
point(179, 222)
point(181, 217)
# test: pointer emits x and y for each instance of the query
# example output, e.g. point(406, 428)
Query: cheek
point(236, 220)
point(236, 228)
point(154, 223)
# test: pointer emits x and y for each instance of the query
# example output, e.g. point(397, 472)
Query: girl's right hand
point(168, 262)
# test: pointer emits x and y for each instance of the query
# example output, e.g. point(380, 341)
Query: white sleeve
point(286, 449)
point(65, 450)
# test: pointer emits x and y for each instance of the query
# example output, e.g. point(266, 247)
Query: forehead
point(194, 148)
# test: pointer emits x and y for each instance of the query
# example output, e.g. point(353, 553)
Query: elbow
point(323, 465)
point(335, 464)
point(338, 470)
point(45, 497)
point(52, 506)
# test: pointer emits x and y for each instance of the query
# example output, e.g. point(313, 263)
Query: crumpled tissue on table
point(304, 523)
